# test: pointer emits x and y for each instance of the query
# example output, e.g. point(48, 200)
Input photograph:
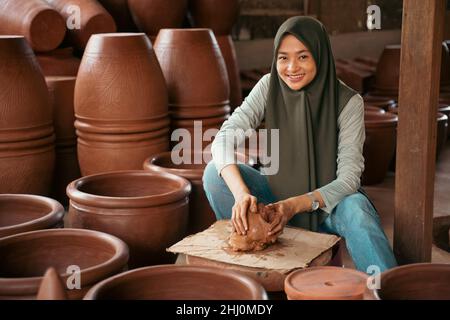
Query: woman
point(321, 137)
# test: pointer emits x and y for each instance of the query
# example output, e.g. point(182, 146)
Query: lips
point(296, 77)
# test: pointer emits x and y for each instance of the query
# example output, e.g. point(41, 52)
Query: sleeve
point(232, 132)
point(350, 160)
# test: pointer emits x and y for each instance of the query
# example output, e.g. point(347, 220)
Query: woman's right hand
point(244, 202)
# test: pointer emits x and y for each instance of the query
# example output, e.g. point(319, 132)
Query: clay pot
point(169, 282)
point(120, 11)
point(380, 102)
point(126, 110)
point(379, 146)
point(59, 62)
point(149, 211)
point(42, 26)
point(218, 15)
point(445, 109)
point(419, 281)
point(26, 126)
point(359, 79)
point(93, 19)
point(52, 287)
point(26, 256)
point(326, 283)
point(152, 15)
point(24, 212)
point(61, 91)
point(371, 108)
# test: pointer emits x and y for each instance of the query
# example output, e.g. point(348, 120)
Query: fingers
point(254, 204)
point(278, 228)
point(243, 215)
point(236, 219)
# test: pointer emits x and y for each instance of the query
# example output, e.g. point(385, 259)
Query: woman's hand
point(244, 202)
point(283, 211)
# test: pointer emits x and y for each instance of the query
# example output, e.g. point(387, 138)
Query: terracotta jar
point(42, 26)
point(61, 91)
point(379, 146)
point(27, 152)
point(25, 212)
point(27, 256)
point(149, 211)
point(380, 102)
point(152, 15)
point(59, 62)
point(120, 11)
point(229, 54)
point(325, 283)
point(419, 281)
point(122, 118)
point(218, 15)
point(93, 19)
point(174, 282)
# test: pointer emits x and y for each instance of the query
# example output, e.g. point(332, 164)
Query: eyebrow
point(297, 52)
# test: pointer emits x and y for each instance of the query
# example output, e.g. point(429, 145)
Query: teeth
point(296, 76)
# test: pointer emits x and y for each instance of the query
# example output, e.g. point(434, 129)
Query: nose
point(293, 65)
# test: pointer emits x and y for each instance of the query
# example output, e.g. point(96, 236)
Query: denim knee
point(210, 175)
point(356, 211)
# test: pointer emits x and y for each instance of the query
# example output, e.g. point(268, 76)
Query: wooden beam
point(422, 33)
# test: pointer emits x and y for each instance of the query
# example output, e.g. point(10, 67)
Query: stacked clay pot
point(445, 109)
point(326, 283)
point(61, 91)
point(149, 211)
point(195, 97)
point(380, 102)
point(27, 152)
point(152, 15)
point(59, 62)
point(121, 105)
point(27, 256)
point(370, 108)
point(39, 23)
point(169, 282)
point(24, 212)
point(120, 11)
point(93, 19)
point(379, 146)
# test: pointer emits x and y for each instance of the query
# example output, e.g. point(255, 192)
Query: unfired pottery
point(218, 15)
point(59, 62)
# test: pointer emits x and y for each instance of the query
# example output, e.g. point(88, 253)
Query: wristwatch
point(315, 203)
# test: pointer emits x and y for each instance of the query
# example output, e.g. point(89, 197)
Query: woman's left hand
point(283, 211)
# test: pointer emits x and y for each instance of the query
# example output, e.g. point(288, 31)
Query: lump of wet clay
point(256, 237)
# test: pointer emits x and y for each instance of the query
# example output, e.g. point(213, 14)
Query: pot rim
point(255, 289)
point(83, 198)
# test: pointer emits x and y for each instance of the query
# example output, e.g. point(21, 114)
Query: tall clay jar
point(61, 91)
point(121, 104)
point(217, 15)
point(93, 19)
point(59, 62)
point(149, 211)
point(27, 152)
point(39, 23)
point(120, 11)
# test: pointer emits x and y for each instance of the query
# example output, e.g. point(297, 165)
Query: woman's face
point(295, 63)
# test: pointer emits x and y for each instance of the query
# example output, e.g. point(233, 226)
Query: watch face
point(315, 205)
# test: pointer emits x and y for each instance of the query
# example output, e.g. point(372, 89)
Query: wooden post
point(422, 33)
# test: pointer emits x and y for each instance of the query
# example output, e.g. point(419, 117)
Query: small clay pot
point(419, 281)
point(149, 211)
point(379, 146)
point(59, 62)
point(380, 102)
point(26, 257)
point(26, 126)
point(93, 19)
point(120, 11)
point(39, 23)
point(22, 213)
point(173, 282)
point(152, 15)
point(370, 108)
point(218, 15)
point(326, 283)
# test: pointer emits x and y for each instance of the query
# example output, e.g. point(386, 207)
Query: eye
point(281, 58)
point(303, 57)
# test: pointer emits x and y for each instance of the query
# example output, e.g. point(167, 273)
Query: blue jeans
point(354, 218)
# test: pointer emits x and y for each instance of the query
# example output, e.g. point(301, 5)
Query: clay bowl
point(379, 146)
point(148, 210)
point(420, 281)
point(26, 257)
point(370, 108)
point(42, 26)
point(21, 213)
point(59, 62)
point(171, 282)
point(326, 283)
point(217, 15)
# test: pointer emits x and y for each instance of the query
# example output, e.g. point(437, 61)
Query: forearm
point(234, 181)
point(302, 203)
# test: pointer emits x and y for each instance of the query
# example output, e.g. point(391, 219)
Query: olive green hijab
point(306, 119)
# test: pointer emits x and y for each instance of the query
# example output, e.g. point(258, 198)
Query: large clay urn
point(174, 282)
point(379, 146)
point(61, 91)
point(152, 15)
point(93, 18)
point(217, 15)
point(27, 256)
point(120, 11)
point(39, 23)
point(27, 152)
point(59, 62)
point(25, 212)
point(149, 211)
point(325, 283)
point(121, 105)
